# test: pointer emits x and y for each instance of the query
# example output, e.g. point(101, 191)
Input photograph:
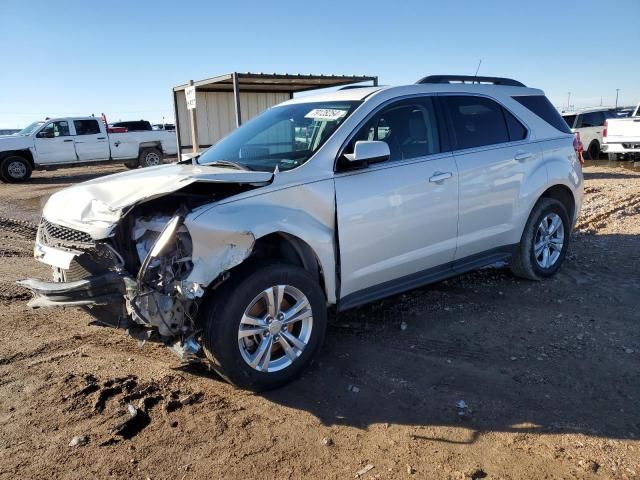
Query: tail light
point(578, 147)
point(604, 130)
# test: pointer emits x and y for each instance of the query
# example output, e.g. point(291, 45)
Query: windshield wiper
point(228, 163)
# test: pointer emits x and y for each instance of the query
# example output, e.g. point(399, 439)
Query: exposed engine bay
point(138, 278)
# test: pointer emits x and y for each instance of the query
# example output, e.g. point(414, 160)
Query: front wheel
point(263, 329)
point(14, 169)
point(544, 241)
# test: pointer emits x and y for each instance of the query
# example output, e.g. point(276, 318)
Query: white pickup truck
point(70, 142)
point(621, 137)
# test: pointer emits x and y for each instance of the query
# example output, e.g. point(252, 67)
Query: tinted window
point(570, 119)
point(517, 131)
point(592, 119)
point(476, 121)
point(409, 127)
point(86, 127)
point(56, 129)
point(135, 126)
point(542, 107)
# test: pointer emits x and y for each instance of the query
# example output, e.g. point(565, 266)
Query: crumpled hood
point(97, 205)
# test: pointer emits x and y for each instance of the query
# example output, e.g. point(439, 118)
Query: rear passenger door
point(91, 143)
point(493, 157)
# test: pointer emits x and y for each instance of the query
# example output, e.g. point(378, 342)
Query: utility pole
point(617, 91)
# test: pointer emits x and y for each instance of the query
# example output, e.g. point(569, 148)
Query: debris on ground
point(79, 441)
point(364, 470)
point(327, 441)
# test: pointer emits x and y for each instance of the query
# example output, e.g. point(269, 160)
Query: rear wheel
point(14, 169)
point(544, 241)
point(593, 152)
point(150, 157)
point(262, 330)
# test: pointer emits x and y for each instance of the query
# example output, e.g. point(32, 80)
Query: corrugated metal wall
point(215, 113)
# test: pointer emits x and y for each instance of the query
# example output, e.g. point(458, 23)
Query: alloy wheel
point(275, 328)
point(17, 170)
point(549, 240)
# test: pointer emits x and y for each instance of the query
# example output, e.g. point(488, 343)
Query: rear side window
point(592, 119)
point(542, 107)
point(86, 127)
point(517, 131)
point(476, 121)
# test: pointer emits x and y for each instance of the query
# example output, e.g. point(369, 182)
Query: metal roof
point(274, 82)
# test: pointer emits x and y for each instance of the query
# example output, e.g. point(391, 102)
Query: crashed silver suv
point(234, 257)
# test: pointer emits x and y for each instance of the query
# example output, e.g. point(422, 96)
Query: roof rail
point(351, 87)
point(470, 79)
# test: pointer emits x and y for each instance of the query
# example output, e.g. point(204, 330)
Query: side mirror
point(369, 151)
point(46, 134)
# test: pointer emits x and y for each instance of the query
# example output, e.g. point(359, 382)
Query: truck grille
point(58, 236)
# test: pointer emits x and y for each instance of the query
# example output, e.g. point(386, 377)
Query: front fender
point(223, 235)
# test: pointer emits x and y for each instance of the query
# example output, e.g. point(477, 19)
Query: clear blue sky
point(122, 57)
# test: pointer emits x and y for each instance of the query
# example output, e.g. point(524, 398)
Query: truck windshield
point(283, 137)
point(30, 129)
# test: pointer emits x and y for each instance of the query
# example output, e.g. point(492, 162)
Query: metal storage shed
point(226, 101)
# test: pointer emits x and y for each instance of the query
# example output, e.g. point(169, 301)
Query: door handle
point(440, 176)
point(522, 156)
point(70, 140)
point(100, 138)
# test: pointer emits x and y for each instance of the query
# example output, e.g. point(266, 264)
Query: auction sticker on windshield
point(330, 114)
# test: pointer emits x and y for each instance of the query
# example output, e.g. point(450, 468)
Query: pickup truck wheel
point(150, 157)
point(593, 152)
point(264, 328)
point(14, 169)
point(544, 241)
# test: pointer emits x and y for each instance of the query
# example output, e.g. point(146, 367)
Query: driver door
point(398, 219)
point(54, 143)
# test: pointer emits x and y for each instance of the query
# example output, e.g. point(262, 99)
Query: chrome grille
point(58, 236)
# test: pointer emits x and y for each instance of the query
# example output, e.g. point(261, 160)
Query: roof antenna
point(477, 69)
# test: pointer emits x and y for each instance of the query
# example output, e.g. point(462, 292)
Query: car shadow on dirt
point(485, 352)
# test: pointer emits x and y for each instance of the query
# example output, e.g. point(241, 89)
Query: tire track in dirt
point(18, 227)
point(630, 202)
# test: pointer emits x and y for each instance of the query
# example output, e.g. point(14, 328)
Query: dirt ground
point(482, 376)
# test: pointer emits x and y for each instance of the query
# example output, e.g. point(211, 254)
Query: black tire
point(150, 157)
point(593, 152)
point(222, 314)
point(524, 263)
point(15, 169)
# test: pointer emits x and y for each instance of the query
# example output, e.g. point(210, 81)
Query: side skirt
point(426, 277)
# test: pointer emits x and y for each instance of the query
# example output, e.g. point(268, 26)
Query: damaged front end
point(157, 303)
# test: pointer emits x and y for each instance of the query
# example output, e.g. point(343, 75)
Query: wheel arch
point(25, 153)
point(290, 249)
point(564, 195)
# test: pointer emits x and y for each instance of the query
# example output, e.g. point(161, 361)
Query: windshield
point(283, 137)
point(30, 129)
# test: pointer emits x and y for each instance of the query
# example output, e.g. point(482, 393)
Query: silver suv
point(340, 199)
